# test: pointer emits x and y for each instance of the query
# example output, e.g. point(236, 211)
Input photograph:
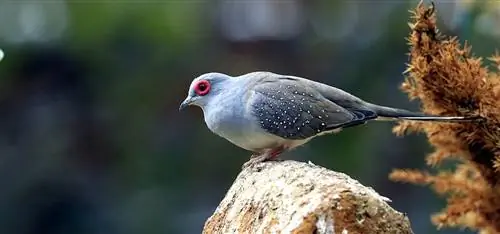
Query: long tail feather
point(394, 113)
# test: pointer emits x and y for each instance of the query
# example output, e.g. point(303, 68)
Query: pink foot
point(268, 155)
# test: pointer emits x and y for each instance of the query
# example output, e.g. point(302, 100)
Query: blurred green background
point(91, 139)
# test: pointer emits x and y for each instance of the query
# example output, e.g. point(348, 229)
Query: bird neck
point(225, 109)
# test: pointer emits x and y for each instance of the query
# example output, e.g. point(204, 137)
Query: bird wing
point(292, 109)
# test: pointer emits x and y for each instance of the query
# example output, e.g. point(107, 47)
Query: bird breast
point(231, 121)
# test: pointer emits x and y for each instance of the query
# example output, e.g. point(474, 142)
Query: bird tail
point(394, 114)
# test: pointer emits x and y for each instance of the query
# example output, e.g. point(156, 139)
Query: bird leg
point(268, 155)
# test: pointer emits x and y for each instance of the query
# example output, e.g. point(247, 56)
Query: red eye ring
point(202, 87)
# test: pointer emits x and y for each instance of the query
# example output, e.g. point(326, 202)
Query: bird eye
point(202, 87)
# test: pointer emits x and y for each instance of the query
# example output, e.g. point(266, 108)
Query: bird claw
point(255, 159)
point(269, 155)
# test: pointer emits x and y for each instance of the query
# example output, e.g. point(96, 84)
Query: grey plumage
point(287, 109)
point(268, 113)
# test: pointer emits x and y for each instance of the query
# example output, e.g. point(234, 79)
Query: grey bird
point(268, 113)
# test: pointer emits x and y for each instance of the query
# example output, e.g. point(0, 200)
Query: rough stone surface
point(295, 197)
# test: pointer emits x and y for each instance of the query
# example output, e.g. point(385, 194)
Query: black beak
point(184, 104)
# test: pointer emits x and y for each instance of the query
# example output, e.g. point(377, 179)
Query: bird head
point(204, 88)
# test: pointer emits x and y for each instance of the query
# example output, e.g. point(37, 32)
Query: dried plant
point(448, 80)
